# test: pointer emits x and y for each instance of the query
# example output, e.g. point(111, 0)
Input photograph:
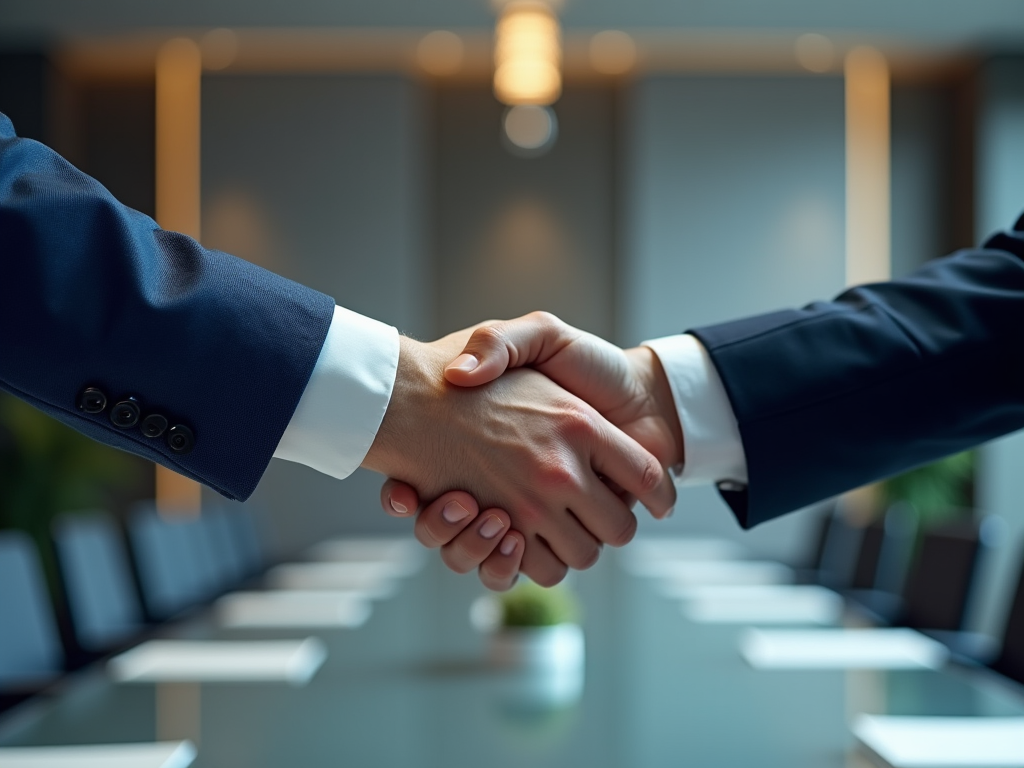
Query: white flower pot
point(546, 663)
point(557, 647)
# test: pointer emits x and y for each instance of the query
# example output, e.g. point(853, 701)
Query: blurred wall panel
point(320, 178)
point(734, 204)
point(923, 153)
point(517, 234)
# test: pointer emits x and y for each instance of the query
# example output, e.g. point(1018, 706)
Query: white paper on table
point(644, 556)
point(163, 754)
point(291, 661)
point(943, 742)
point(287, 608)
point(408, 555)
point(376, 580)
point(675, 576)
point(841, 649)
point(762, 604)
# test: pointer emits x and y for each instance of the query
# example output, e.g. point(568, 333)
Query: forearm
point(884, 378)
point(97, 295)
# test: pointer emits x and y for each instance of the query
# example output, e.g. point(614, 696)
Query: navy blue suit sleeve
point(94, 294)
point(884, 378)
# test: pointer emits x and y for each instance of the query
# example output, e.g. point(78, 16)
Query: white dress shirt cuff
point(712, 448)
point(344, 402)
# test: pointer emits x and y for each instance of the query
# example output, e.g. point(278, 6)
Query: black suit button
point(125, 414)
point(92, 400)
point(154, 425)
point(180, 439)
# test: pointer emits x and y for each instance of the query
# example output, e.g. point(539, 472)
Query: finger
point(608, 516)
point(541, 564)
point(493, 348)
point(501, 568)
point(398, 499)
point(624, 462)
point(445, 518)
point(471, 547)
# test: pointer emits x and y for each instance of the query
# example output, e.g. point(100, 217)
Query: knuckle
point(556, 474)
point(626, 535)
point(455, 560)
point(650, 475)
point(587, 559)
point(577, 423)
point(550, 577)
point(489, 336)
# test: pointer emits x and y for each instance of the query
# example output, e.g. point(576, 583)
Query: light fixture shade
point(527, 55)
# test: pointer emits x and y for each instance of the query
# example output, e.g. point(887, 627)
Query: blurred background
point(660, 165)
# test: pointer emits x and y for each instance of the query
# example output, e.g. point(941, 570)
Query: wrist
point(417, 381)
point(655, 383)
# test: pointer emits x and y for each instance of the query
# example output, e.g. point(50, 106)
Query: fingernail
point(508, 545)
point(492, 527)
point(464, 362)
point(671, 511)
point(453, 512)
point(399, 508)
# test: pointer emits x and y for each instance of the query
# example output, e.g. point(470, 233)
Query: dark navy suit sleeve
point(884, 378)
point(94, 294)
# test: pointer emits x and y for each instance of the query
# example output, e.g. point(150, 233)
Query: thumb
point(494, 348)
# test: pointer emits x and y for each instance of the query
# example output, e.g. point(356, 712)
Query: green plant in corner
point(937, 491)
point(529, 605)
point(47, 468)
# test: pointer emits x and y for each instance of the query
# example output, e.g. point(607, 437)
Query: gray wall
point(320, 178)
point(734, 204)
point(516, 234)
point(1000, 200)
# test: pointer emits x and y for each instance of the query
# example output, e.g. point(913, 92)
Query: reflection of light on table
point(178, 711)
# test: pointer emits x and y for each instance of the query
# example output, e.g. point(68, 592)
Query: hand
point(521, 443)
point(627, 387)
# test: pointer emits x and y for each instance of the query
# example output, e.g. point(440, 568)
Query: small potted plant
point(538, 629)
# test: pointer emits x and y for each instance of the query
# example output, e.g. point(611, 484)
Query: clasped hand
point(550, 435)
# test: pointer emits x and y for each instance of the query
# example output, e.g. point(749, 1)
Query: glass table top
point(412, 687)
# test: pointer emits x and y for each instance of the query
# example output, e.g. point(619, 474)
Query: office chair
point(839, 552)
point(939, 585)
point(173, 560)
point(31, 653)
point(102, 597)
point(1010, 661)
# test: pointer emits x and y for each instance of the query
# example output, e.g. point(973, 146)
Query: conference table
point(413, 687)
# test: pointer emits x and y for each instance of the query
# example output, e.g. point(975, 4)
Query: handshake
point(533, 440)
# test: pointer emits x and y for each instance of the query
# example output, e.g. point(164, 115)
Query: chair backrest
point(939, 585)
point(30, 647)
point(840, 552)
point(866, 567)
point(101, 593)
point(897, 551)
point(1011, 658)
point(171, 559)
point(246, 535)
point(223, 535)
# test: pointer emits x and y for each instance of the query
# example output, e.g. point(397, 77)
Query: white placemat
point(164, 754)
point(943, 742)
point(675, 576)
point(759, 605)
point(375, 579)
point(291, 661)
point(298, 609)
point(841, 649)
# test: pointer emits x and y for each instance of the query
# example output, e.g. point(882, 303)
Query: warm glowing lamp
point(527, 55)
